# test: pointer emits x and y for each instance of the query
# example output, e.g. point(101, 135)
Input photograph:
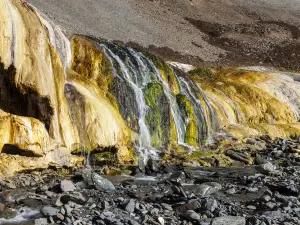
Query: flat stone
point(267, 168)
point(81, 185)
point(274, 214)
point(237, 156)
point(130, 206)
point(41, 221)
point(208, 188)
point(67, 185)
point(49, 211)
point(210, 205)
point(161, 221)
point(101, 183)
point(60, 216)
point(192, 205)
point(191, 216)
point(229, 220)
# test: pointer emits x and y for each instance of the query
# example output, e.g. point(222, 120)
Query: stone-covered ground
point(265, 193)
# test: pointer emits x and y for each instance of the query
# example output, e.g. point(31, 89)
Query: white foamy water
point(23, 214)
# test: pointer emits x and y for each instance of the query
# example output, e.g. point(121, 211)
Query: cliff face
point(60, 97)
point(36, 116)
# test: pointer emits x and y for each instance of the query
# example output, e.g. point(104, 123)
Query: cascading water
point(57, 38)
point(138, 71)
point(136, 77)
point(206, 120)
point(179, 122)
point(63, 46)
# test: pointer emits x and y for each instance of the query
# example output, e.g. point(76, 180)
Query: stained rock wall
point(59, 97)
point(35, 114)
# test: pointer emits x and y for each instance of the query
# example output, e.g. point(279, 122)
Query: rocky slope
point(230, 32)
point(265, 193)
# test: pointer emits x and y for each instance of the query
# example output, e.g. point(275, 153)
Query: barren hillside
point(231, 32)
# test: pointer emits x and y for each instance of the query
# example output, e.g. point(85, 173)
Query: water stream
point(137, 71)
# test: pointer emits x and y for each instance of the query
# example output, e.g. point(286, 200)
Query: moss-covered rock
point(157, 117)
point(202, 71)
point(191, 135)
point(167, 74)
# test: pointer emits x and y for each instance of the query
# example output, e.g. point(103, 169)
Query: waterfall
point(13, 32)
point(137, 71)
point(207, 122)
point(137, 78)
point(57, 38)
point(180, 124)
point(76, 102)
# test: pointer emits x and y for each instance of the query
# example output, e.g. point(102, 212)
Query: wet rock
point(191, 205)
point(285, 189)
point(166, 206)
point(210, 205)
point(274, 214)
point(177, 176)
point(130, 206)
point(237, 156)
point(145, 181)
point(87, 176)
point(152, 165)
point(251, 207)
point(161, 220)
point(141, 165)
point(49, 211)
point(191, 216)
point(101, 183)
point(41, 221)
point(8, 214)
point(32, 203)
point(67, 185)
point(258, 160)
point(81, 185)
point(133, 222)
point(60, 216)
point(208, 188)
point(231, 191)
point(229, 220)
point(266, 198)
point(266, 168)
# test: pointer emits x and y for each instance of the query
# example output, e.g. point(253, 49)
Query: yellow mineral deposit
point(40, 64)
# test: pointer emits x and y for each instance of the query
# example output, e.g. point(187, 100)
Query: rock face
point(36, 117)
point(60, 96)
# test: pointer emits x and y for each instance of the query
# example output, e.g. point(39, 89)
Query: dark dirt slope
point(217, 32)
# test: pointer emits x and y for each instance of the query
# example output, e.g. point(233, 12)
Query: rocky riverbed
point(264, 193)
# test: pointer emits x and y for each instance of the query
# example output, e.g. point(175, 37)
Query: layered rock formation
point(60, 96)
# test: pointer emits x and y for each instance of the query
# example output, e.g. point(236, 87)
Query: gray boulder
point(191, 216)
point(94, 179)
point(101, 183)
point(209, 188)
point(229, 220)
point(266, 168)
point(67, 185)
point(49, 211)
point(41, 221)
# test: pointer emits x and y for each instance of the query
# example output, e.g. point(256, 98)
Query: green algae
point(191, 135)
point(202, 71)
point(153, 94)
